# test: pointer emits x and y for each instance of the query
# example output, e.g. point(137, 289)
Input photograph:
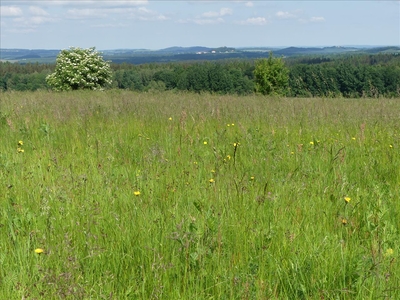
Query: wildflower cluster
point(79, 68)
point(19, 148)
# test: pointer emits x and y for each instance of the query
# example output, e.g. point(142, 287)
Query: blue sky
point(160, 24)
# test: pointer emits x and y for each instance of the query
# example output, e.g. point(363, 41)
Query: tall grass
point(183, 196)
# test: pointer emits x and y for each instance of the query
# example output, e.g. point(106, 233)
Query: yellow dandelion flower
point(390, 146)
point(353, 138)
point(20, 143)
point(233, 124)
point(228, 157)
point(211, 180)
point(39, 251)
point(205, 143)
point(170, 119)
point(347, 199)
point(311, 143)
point(228, 125)
point(252, 177)
point(20, 150)
point(212, 171)
point(136, 193)
point(389, 252)
point(344, 221)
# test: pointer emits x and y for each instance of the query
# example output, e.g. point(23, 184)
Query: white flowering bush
point(78, 68)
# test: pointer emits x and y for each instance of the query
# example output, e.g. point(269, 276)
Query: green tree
point(79, 68)
point(271, 76)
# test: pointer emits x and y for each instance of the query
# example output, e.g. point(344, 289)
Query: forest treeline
point(331, 76)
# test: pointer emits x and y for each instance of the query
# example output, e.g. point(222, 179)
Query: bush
point(79, 68)
point(271, 76)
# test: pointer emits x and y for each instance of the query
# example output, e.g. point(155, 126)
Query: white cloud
point(317, 19)
point(82, 2)
point(249, 4)
point(254, 21)
point(312, 20)
point(10, 11)
point(110, 25)
point(27, 24)
point(285, 15)
point(38, 20)
point(208, 21)
point(122, 3)
point(86, 13)
point(37, 11)
point(200, 21)
point(140, 13)
point(209, 18)
point(225, 11)
point(222, 12)
point(145, 14)
point(210, 14)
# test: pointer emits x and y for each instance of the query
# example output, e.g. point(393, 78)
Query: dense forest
point(360, 75)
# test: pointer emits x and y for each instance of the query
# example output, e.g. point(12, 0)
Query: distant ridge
point(193, 49)
point(195, 53)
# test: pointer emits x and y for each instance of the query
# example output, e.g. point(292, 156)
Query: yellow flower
point(353, 138)
point(39, 251)
point(347, 199)
point(20, 143)
point(236, 144)
point(211, 180)
point(205, 143)
point(228, 157)
point(390, 146)
point(344, 221)
point(233, 124)
point(252, 177)
point(20, 150)
point(389, 252)
point(170, 119)
point(136, 193)
point(311, 143)
point(212, 171)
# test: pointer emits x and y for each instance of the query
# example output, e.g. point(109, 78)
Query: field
point(122, 195)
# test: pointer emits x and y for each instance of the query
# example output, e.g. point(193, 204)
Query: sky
point(150, 24)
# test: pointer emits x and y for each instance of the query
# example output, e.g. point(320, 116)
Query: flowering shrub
point(78, 68)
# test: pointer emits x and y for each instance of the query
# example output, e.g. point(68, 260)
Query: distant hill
point(324, 50)
point(196, 53)
point(179, 50)
point(388, 49)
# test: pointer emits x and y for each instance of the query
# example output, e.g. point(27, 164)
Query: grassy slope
point(272, 224)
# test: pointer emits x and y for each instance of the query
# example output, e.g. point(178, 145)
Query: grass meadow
point(123, 195)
